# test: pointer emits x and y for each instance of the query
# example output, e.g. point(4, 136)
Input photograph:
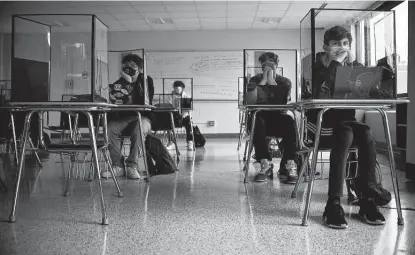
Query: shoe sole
point(290, 181)
point(373, 223)
point(334, 226)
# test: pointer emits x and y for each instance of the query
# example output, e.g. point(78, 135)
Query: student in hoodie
point(273, 122)
point(177, 94)
point(347, 132)
point(128, 89)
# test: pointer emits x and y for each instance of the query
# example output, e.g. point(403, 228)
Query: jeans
point(352, 134)
point(274, 124)
point(126, 127)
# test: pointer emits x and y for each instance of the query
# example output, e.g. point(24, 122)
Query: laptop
point(356, 82)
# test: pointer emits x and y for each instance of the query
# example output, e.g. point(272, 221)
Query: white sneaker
point(190, 145)
point(170, 146)
point(118, 172)
point(132, 173)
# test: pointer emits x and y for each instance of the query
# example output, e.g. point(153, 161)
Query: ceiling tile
point(273, 6)
point(264, 26)
point(149, 8)
point(246, 20)
point(209, 7)
point(241, 15)
point(120, 9)
point(139, 28)
point(181, 8)
point(188, 27)
point(214, 20)
point(241, 6)
point(109, 3)
point(186, 21)
point(133, 22)
point(126, 16)
point(270, 13)
point(163, 27)
point(183, 14)
point(155, 15)
point(221, 13)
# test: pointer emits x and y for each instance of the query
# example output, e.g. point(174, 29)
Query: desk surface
point(352, 101)
point(75, 106)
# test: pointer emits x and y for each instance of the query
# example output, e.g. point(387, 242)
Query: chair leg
point(246, 149)
point(12, 217)
point(96, 165)
point(251, 146)
point(69, 180)
point(16, 152)
point(302, 171)
point(36, 154)
point(143, 147)
point(174, 136)
point(392, 166)
point(240, 136)
point(105, 153)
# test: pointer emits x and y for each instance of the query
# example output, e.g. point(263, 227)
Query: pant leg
point(115, 127)
point(135, 137)
point(284, 126)
point(187, 125)
point(342, 140)
point(260, 141)
point(366, 155)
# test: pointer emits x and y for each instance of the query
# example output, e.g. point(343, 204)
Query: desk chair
point(326, 133)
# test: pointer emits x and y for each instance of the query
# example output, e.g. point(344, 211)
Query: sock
point(333, 200)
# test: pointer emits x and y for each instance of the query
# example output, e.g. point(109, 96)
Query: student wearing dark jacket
point(347, 132)
point(272, 122)
point(129, 89)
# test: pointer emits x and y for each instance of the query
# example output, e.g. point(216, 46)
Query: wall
point(410, 139)
point(225, 114)
point(374, 120)
point(5, 56)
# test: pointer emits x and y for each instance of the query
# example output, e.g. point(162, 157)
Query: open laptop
point(356, 82)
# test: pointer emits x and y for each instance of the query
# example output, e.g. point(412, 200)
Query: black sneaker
point(333, 216)
point(265, 173)
point(283, 172)
point(370, 213)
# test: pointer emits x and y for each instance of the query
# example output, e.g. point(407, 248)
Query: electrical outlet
point(211, 123)
point(69, 85)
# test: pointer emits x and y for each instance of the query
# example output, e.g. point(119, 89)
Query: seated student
point(273, 122)
point(347, 132)
point(177, 94)
point(129, 89)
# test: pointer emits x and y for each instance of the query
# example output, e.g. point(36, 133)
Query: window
point(401, 18)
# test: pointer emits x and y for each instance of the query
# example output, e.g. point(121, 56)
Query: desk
point(375, 104)
point(86, 108)
point(257, 108)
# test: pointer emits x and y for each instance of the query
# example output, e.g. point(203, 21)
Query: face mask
point(334, 50)
point(129, 71)
point(268, 64)
point(178, 90)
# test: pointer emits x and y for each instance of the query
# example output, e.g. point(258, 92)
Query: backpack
point(380, 196)
point(164, 162)
point(200, 140)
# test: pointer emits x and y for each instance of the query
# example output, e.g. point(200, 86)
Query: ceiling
point(180, 15)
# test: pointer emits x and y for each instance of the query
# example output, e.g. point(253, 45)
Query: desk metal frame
point(324, 106)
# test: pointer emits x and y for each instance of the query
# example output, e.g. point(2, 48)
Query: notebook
point(356, 82)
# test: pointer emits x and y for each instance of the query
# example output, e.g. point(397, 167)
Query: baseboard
point(410, 171)
point(208, 136)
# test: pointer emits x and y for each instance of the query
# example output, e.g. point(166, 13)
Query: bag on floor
point(200, 140)
point(164, 162)
point(380, 195)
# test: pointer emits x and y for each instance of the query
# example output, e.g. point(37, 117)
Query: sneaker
point(190, 145)
point(266, 171)
point(370, 213)
point(333, 216)
point(283, 172)
point(118, 172)
point(132, 173)
point(170, 146)
point(292, 175)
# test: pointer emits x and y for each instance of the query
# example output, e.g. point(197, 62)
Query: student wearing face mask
point(273, 122)
point(128, 89)
point(347, 132)
point(177, 94)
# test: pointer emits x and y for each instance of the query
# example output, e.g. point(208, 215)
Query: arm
point(150, 85)
point(286, 84)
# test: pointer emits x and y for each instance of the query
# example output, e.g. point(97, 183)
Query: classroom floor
point(205, 208)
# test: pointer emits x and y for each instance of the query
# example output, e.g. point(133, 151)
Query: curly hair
point(178, 84)
point(132, 58)
point(268, 56)
point(337, 33)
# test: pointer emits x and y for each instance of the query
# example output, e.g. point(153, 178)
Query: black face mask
point(130, 71)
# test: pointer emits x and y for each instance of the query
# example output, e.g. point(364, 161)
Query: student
point(346, 132)
point(129, 89)
point(176, 98)
point(273, 122)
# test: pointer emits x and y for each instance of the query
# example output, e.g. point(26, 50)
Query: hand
point(271, 79)
point(350, 57)
point(265, 74)
point(339, 57)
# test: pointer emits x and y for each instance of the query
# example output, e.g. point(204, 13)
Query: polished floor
point(205, 208)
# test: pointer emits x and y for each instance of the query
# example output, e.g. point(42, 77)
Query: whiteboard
point(215, 74)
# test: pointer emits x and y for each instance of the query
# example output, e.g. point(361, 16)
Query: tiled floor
point(205, 208)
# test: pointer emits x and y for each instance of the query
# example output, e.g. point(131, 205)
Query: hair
point(268, 56)
point(132, 58)
point(178, 84)
point(337, 33)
